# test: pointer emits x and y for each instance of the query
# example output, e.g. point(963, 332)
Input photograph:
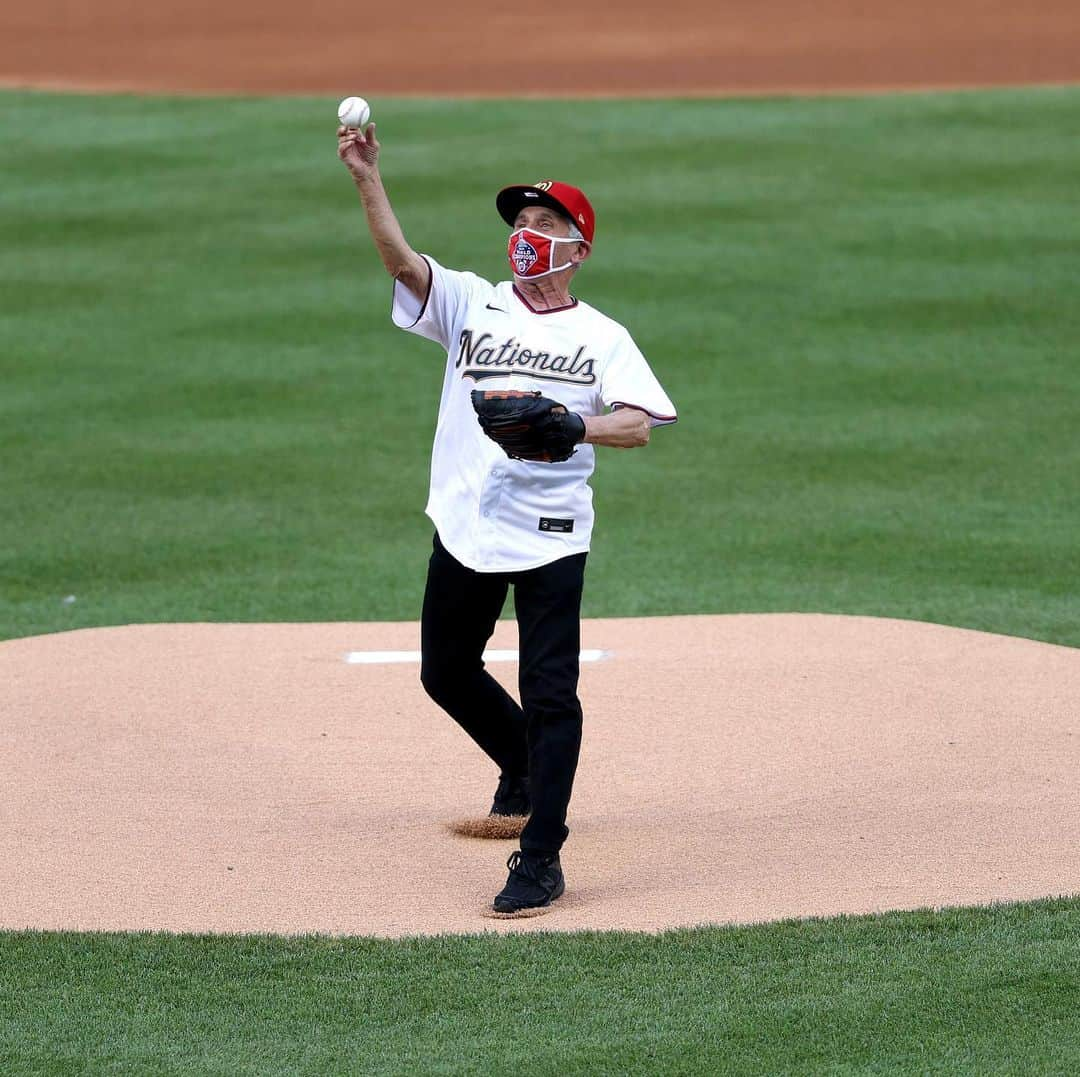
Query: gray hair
point(575, 232)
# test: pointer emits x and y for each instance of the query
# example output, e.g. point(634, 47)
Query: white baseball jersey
point(492, 513)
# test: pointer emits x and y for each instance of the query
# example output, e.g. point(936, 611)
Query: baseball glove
point(528, 426)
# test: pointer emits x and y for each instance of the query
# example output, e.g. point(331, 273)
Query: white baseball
point(354, 112)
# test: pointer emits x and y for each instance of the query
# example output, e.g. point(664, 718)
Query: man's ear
point(582, 252)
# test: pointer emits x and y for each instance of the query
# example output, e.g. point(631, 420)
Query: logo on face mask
point(523, 256)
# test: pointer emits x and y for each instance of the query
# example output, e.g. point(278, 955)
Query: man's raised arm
point(359, 151)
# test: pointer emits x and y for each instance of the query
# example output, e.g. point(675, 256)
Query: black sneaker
point(535, 881)
point(512, 796)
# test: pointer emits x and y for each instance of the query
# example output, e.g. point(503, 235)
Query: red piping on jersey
point(550, 310)
point(637, 407)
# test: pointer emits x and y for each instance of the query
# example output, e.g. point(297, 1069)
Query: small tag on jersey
point(548, 523)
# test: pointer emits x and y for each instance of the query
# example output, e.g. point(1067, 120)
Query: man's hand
point(359, 151)
point(527, 425)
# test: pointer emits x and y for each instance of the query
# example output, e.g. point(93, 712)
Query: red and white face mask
point(532, 254)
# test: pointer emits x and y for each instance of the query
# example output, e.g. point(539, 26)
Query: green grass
point(866, 311)
point(987, 991)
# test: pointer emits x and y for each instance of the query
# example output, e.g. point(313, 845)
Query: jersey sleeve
point(435, 316)
point(628, 382)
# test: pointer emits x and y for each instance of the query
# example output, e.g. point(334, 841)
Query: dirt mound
point(741, 768)
point(632, 48)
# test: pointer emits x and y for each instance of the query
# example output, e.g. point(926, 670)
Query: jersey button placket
point(489, 511)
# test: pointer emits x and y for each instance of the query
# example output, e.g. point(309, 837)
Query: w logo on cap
point(524, 256)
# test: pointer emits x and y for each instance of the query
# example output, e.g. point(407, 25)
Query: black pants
point(542, 737)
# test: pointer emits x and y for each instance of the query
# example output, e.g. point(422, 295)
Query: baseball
point(354, 112)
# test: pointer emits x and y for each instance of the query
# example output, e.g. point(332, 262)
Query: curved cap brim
point(510, 200)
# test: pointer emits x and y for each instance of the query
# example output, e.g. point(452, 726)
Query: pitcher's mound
point(247, 778)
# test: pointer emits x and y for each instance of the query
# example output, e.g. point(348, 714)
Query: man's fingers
point(357, 148)
point(362, 140)
point(350, 149)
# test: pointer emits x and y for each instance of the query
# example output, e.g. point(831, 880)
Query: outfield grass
point(866, 311)
point(988, 991)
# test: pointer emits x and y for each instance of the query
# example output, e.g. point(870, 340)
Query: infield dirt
point(631, 48)
point(245, 778)
point(741, 768)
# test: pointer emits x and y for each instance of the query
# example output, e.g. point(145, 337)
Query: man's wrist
point(367, 180)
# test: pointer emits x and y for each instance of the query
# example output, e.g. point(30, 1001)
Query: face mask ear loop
point(546, 273)
point(561, 239)
point(553, 240)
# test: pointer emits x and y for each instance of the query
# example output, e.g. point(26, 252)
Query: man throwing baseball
point(534, 379)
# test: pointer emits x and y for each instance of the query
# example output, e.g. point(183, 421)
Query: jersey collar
point(550, 310)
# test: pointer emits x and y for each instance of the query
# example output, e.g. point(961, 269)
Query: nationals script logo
point(482, 356)
point(524, 256)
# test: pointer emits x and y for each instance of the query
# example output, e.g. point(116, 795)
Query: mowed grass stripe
point(865, 310)
point(951, 992)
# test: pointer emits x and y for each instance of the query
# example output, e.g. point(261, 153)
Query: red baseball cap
point(561, 196)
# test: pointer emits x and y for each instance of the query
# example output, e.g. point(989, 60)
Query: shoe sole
point(490, 827)
point(520, 914)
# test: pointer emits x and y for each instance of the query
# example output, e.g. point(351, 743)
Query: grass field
point(990, 991)
point(864, 309)
point(866, 312)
